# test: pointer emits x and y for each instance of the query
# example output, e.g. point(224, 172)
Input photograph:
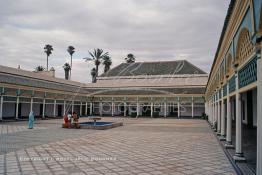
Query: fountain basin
point(99, 125)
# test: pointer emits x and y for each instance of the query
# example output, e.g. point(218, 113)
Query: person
point(31, 120)
point(69, 116)
point(75, 120)
point(66, 121)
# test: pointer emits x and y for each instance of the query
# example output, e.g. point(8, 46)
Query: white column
point(86, 109)
point(210, 112)
point(239, 154)
point(1, 107)
point(152, 109)
point(43, 113)
point(192, 107)
point(125, 105)
point(137, 109)
point(165, 108)
point(259, 116)
point(91, 108)
point(64, 107)
point(229, 121)
point(81, 107)
point(72, 107)
point(31, 104)
point(100, 108)
point(17, 107)
point(218, 117)
point(223, 124)
point(178, 107)
point(215, 114)
point(113, 108)
point(54, 108)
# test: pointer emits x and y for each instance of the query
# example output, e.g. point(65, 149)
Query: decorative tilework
point(248, 74)
point(232, 84)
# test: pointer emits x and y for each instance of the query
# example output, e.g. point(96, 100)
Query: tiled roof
point(154, 68)
point(154, 84)
point(149, 91)
point(226, 22)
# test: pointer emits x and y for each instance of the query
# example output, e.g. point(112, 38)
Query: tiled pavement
point(141, 146)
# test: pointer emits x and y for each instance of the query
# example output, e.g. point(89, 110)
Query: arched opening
point(244, 47)
point(229, 68)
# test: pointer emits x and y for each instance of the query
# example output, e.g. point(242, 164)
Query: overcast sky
point(153, 30)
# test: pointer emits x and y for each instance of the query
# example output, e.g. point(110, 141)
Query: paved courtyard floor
point(142, 146)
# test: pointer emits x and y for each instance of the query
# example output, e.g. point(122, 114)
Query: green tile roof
point(154, 68)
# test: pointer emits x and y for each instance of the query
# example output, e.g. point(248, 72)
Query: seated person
point(75, 120)
point(66, 121)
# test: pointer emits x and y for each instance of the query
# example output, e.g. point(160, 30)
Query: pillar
point(64, 107)
point(43, 113)
point(238, 154)
point(31, 104)
point(152, 109)
point(54, 108)
point(1, 107)
point(17, 108)
point(259, 115)
point(137, 109)
point(223, 120)
point(86, 109)
point(210, 112)
point(113, 108)
point(229, 121)
point(218, 117)
point(192, 107)
point(125, 108)
point(81, 107)
point(100, 108)
point(215, 115)
point(178, 107)
point(91, 108)
point(165, 108)
point(72, 110)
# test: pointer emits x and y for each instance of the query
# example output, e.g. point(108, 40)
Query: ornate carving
point(244, 47)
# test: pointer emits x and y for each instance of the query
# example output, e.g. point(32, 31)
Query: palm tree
point(48, 50)
point(97, 56)
point(71, 51)
point(107, 62)
point(39, 68)
point(130, 58)
point(93, 73)
point(67, 68)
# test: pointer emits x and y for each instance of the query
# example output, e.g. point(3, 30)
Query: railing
point(248, 74)
point(225, 90)
point(232, 84)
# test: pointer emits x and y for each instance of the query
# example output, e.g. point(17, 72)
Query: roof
point(148, 91)
point(153, 81)
point(22, 77)
point(154, 68)
point(228, 16)
point(154, 84)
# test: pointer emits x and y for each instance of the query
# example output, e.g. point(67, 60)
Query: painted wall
point(9, 109)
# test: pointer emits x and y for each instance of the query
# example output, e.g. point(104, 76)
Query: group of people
point(71, 120)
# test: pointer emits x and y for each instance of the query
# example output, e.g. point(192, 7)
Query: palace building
point(171, 88)
point(234, 92)
point(231, 95)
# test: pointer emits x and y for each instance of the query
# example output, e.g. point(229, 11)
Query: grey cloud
point(151, 29)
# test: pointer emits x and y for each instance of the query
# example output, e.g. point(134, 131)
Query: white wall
point(25, 109)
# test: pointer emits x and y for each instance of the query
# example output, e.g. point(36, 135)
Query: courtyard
point(141, 146)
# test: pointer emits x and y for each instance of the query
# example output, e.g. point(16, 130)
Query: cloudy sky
point(152, 30)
